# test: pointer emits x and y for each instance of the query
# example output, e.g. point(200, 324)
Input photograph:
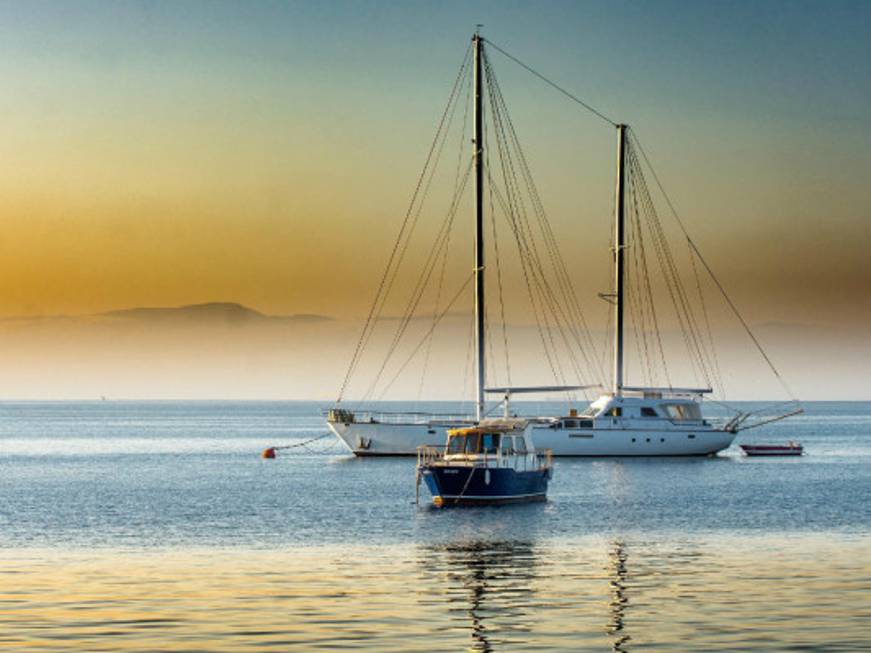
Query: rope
point(296, 445)
point(551, 83)
point(466, 486)
point(716, 281)
point(387, 279)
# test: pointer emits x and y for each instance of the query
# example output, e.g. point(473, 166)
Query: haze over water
point(156, 526)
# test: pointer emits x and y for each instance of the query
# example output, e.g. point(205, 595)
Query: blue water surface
point(181, 474)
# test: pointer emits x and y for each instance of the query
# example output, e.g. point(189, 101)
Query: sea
point(158, 526)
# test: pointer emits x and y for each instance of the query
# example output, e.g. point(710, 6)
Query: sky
point(172, 153)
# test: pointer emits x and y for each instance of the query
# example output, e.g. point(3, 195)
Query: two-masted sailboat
point(626, 420)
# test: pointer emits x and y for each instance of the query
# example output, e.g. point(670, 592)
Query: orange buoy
point(268, 453)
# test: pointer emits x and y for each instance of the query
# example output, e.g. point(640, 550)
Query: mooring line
point(269, 452)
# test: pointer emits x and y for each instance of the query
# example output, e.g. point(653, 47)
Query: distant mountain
point(207, 313)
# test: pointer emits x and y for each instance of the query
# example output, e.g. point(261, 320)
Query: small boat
point(788, 449)
point(493, 462)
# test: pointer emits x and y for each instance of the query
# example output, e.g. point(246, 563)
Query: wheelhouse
point(485, 441)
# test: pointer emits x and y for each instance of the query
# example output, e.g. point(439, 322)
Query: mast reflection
point(617, 557)
point(487, 585)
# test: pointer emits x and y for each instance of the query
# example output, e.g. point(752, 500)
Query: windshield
point(472, 442)
point(489, 443)
point(456, 444)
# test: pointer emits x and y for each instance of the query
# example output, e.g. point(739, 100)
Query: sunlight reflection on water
point(760, 593)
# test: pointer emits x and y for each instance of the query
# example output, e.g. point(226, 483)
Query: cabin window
point(585, 423)
point(683, 411)
point(520, 445)
point(616, 411)
point(457, 444)
point(570, 423)
point(473, 442)
point(647, 411)
point(507, 448)
point(489, 443)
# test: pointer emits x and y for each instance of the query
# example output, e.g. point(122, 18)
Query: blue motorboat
point(493, 462)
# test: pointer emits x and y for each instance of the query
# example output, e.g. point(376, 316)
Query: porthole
point(648, 439)
point(691, 436)
point(662, 439)
point(633, 439)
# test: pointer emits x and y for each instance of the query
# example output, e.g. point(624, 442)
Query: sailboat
point(625, 420)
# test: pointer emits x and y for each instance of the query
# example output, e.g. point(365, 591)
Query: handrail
point(394, 417)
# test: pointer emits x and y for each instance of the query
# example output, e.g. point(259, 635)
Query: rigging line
point(423, 280)
point(460, 153)
point(468, 370)
point(524, 266)
point(418, 194)
point(429, 332)
point(648, 288)
point(551, 83)
point(501, 117)
point(683, 307)
point(551, 245)
point(498, 273)
point(710, 333)
point(710, 271)
point(419, 288)
point(368, 325)
point(435, 312)
point(526, 244)
point(636, 294)
point(510, 212)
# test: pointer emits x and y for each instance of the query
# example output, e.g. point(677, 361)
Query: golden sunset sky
point(164, 153)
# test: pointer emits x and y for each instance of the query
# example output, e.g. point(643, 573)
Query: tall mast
point(619, 246)
point(479, 232)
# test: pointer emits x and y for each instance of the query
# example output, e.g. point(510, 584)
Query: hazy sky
point(166, 153)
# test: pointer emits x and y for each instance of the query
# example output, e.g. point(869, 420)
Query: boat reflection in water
point(619, 601)
point(488, 586)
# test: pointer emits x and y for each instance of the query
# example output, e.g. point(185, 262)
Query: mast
point(619, 246)
point(479, 231)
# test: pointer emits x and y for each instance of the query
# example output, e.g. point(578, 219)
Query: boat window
point(456, 444)
point(520, 445)
point(616, 411)
point(585, 423)
point(647, 411)
point(473, 442)
point(683, 411)
point(489, 442)
point(570, 423)
point(507, 447)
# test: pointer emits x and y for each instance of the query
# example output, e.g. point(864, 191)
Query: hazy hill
point(227, 350)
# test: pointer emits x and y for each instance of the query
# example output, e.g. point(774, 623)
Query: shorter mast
point(479, 232)
point(619, 246)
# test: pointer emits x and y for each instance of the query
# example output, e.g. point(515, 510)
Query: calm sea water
point(157, 526)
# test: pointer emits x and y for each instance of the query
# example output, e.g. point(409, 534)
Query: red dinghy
point(789, 449)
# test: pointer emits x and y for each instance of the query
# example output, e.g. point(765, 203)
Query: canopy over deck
point(493, 426)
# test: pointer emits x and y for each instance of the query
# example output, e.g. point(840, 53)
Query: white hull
point(678, 441)
point(379, 439)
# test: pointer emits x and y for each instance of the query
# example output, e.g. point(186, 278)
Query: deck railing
point(342, 415)
point(427, 455)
